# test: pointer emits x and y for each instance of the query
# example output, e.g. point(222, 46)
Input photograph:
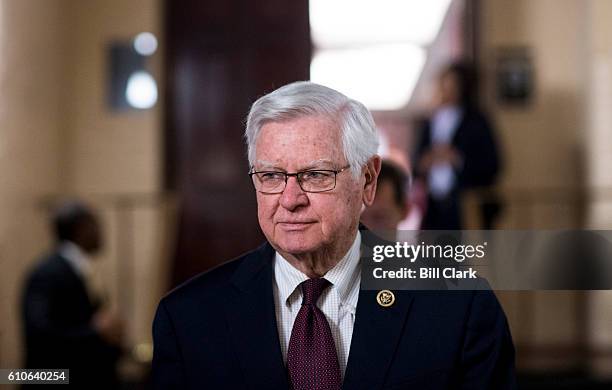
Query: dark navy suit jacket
point(218, 331)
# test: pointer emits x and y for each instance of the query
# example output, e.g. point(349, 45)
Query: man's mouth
point(295, 225)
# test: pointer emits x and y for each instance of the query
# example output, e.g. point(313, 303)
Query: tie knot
point(312, 289)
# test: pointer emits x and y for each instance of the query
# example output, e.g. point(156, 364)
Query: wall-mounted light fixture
point(131, 85)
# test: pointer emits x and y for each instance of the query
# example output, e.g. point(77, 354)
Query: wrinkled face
point(298, 222)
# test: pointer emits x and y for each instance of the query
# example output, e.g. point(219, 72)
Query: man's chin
point(297, 250)
point(295, 245)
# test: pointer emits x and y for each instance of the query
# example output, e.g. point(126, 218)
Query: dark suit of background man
point(290, 314)
point(65, 325)
point(457, 151)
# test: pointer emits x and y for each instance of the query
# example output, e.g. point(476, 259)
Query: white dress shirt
point(338, 302)
point(77, 259)
point(443, 127)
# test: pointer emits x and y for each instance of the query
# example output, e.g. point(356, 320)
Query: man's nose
point(293, 196)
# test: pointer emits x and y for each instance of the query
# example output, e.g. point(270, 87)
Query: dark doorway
point(220, 56)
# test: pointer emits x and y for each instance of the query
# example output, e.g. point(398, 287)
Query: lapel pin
point(385, 298)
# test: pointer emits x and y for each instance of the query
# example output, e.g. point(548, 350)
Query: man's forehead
point(306, 164)
point(304, 142)
point(306, 122)
point(314, 133)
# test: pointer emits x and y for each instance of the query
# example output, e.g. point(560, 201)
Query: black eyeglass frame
point(298, 177)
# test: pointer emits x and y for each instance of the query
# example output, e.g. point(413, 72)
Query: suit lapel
point(376, 334)
point(377, 330)
point(252, 322)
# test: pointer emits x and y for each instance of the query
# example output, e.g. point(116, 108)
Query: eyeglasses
point(317, 180)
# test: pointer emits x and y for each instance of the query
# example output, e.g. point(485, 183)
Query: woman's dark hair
point(467, 82)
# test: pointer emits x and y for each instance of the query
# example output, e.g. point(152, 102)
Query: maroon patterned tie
point(311, 358)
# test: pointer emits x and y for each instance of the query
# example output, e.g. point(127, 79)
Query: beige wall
point(542, 143)
point(599, 161)
point(58, 137)
point(556, 149)
point(545, 141)
point(115, 151)
point(599, 82)
point(116, 156)
point(31, 79)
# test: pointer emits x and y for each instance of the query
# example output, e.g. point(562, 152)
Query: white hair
point(304, 98)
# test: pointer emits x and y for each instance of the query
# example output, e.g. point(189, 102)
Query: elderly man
point(290, 314)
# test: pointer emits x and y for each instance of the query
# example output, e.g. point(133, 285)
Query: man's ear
point(371, 169)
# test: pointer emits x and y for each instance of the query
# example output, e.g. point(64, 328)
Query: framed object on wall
point(514, 76)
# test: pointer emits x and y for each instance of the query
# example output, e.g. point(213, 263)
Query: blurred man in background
point(457, 150)
point(390, 205)
point(65, 323)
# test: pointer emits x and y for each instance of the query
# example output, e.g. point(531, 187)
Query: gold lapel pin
point(385, 298)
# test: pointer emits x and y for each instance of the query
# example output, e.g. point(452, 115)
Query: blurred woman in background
point(457, 149)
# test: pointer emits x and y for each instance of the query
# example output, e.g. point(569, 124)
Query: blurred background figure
point(390, 205)
point(457, 148)
point(66, 322)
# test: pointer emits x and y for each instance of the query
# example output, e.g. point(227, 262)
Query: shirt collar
point(342, 276)
point(75, 256)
